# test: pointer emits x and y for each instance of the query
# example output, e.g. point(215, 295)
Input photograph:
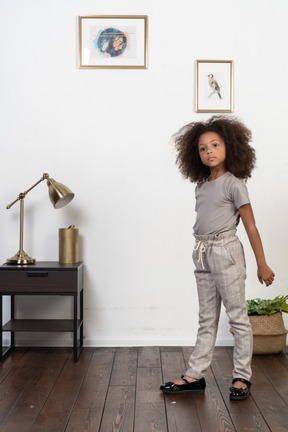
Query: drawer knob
point(37, 274)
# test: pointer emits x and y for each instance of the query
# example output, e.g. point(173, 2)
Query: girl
point(218, 157)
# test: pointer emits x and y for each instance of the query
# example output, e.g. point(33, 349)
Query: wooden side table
point(43, 278)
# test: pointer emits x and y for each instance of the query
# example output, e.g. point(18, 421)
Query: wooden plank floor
point(117, 390)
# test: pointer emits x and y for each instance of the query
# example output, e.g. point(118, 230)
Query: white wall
point(107, 135)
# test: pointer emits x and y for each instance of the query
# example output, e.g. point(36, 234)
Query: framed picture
point(113, 41)
point(214, 86)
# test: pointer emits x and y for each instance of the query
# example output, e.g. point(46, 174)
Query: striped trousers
point(220, 272)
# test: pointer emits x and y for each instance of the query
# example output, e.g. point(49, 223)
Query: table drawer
point(38, 281)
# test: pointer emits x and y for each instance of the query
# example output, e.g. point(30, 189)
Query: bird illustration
point(214, 85)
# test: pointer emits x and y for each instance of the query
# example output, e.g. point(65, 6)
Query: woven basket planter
point(269, 333)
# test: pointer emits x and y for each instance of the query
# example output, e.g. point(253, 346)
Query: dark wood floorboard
point(117, 390)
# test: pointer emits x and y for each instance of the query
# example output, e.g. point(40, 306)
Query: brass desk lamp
point(59, 196)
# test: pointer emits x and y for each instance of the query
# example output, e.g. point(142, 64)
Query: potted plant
point(269, 332)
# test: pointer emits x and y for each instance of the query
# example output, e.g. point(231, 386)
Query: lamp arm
point(23, 194)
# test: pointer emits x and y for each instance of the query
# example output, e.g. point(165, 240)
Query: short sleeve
point(239, 192)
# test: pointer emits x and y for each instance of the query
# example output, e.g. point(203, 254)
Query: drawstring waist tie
point(200, 247)
point(203, 241)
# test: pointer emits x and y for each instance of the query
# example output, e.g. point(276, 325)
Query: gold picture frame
point(214, 86)
point(113, 41)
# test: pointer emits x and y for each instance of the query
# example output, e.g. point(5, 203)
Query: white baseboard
point(68, 342)
point(148, 342)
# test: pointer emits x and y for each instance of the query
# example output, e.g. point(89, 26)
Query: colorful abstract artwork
point(113, 42)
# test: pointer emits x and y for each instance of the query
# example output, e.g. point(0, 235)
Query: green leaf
point(266, 307)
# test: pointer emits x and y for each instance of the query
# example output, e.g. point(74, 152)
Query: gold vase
point(68, 245)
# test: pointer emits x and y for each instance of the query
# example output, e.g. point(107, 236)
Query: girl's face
point(212, 150)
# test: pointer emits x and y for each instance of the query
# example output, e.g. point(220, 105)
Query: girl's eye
point(202, 149)
point(215, 145)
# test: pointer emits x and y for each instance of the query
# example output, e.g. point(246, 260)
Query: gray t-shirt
point(217, 204)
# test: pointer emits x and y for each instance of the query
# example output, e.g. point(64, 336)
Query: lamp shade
point(59, 194)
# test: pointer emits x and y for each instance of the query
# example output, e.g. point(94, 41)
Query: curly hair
point(240, 156)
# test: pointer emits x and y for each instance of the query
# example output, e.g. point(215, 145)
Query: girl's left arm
point(264, 273)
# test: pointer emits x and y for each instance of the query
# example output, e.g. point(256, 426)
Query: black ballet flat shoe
point(240, 393)
point(193, 387)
